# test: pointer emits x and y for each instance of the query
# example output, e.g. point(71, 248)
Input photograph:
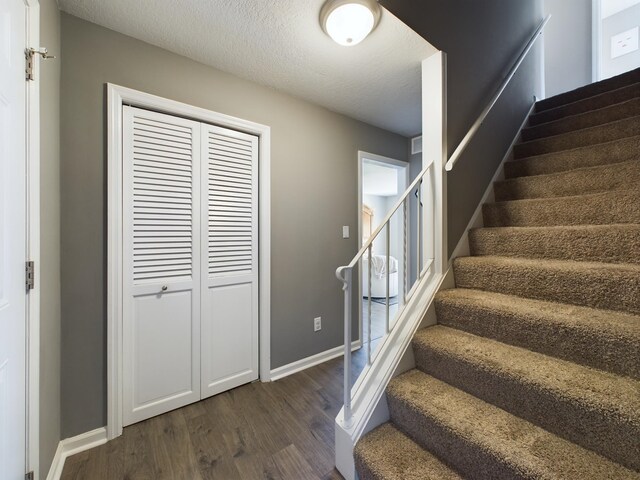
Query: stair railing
point(345, 275)
point(455, 156)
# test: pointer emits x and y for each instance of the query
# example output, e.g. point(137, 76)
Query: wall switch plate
point(317, 324)
point(345, 231)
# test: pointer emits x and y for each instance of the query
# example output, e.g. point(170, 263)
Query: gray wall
point(49, 283)
point(618, 23)
point(314, 193)
point(481, 39)
point(568, 45)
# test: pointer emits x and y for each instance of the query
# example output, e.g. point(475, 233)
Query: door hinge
point(29, 476)
point(30, 54)
point(30, 276)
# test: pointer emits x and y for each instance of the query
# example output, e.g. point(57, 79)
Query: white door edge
point(33, 244)
point(117, 96)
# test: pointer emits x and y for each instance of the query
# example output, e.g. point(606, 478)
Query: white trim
point(74, 445)
point(116, 96)
point(374, 382)
point(463, 249)
point(596, 40)
point(312, 361)
point(434, 150)
point(33, 244)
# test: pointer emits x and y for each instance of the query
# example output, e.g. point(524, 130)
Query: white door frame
point(596, 40)
point(116, 97)
point(388, 162)
point(33, 243)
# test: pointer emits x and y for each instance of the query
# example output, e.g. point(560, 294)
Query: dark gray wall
point(567, 42)
point(49, 283)
point(314, 193)
point(481, 40)
point(611, 26)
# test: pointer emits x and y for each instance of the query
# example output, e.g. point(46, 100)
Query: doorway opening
point(382, 181)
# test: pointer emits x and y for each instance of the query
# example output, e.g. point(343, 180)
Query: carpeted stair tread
point(481, 440)
point(604, 99)
point(587, 243)
point(616, 130)
point(607, 153)
point(602, 339)
point(591, 90)
point(595, 409)
point(590, 284)
point(592, 118)
point(387, 454)
point(611, 207)
point(580, 181)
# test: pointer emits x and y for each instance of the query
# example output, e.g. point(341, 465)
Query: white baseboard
point(73, 445)
point(463, 249)
point(312, 361)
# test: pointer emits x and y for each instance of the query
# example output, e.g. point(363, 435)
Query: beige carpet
point(534, 369)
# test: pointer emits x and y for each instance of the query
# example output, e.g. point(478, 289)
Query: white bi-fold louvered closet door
point(190, 243)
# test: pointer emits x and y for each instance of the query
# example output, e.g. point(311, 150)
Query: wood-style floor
point(278, 430)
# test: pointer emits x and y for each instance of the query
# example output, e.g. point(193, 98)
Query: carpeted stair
point(533, 371)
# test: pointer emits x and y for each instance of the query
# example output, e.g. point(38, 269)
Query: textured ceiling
point(279, 43)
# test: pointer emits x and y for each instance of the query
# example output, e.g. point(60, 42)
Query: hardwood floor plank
point(174, 455)
point(214, 459)
point(261, 431)
point(292, 465)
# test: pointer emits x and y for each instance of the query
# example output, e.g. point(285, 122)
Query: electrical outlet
point(317, 324)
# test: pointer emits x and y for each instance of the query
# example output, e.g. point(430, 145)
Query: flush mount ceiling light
point(348, 22)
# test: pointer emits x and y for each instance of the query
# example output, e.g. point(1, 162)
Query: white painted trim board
point(116, 97)
point(73, 445)
point(312, 361)
point(33, 244)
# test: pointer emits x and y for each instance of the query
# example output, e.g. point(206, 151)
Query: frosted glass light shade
point(349, 22)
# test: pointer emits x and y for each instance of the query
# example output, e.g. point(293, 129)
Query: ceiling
point(280, 44)
point(379, 180)
point(611, 7)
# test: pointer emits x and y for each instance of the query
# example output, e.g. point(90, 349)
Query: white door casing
point(13, 241)
point(162, 263)
point(117, 98)
point(230, 286)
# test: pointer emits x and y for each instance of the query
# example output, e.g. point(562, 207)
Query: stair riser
point(590, 90)
point(586, 105)
point(598, 288)
point(590, 347)
point(470, 460)
point(605, 154)
point(566, 417)
point(580, 182)
point(599, 209)
point(582, 245)
point(585, 120)
point(589, 136)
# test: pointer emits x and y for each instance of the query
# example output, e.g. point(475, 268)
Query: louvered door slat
point(162, 301)
point(230, 318)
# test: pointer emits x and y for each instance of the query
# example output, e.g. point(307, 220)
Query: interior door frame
point(387, 162)
point(116, 97)
point(596, 40)
point(33, 242)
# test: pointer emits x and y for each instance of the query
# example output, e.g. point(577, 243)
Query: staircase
point(534, 368)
